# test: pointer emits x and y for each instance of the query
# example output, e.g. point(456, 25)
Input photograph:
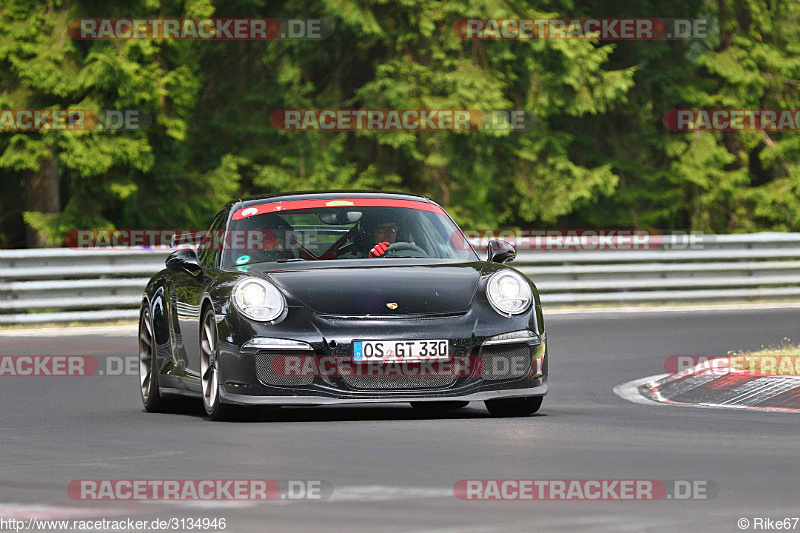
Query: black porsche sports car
point(344, 297)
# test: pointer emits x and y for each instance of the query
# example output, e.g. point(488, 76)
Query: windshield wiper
point(290, 259)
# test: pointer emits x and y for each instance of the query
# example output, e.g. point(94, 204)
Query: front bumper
point(244, 399)
point(243, 376)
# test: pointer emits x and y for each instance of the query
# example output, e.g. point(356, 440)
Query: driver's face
point(386, 231)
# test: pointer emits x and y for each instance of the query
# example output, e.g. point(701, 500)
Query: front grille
point(398, 382)
point(394, 317)
point(267, 376)
point(505, 361)
point(391, 377)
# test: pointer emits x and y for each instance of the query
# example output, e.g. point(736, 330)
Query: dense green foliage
point(596, 154)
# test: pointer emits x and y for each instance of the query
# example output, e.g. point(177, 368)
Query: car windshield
point(320, 230)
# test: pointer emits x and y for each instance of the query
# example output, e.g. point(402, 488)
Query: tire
point(514, 406)
point(439, 406)
point(209, 369)
point(148, 365)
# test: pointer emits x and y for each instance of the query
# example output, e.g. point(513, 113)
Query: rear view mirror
point(340, 218)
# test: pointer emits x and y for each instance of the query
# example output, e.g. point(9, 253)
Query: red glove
point(379, 249)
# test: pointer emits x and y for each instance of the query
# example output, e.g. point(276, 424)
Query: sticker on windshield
point(242, 259)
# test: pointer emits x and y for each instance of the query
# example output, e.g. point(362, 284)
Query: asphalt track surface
point(393, 468)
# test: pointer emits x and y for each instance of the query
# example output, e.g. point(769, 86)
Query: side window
point(207, 250)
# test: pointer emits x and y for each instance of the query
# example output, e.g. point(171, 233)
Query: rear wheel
point(148, 367)
point(514, 406)
point(209, 369)
point(439, 406)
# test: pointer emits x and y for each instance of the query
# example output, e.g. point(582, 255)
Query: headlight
point(258, 299)
point(509, 293)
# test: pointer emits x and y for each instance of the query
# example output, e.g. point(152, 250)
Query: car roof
point(324, 195)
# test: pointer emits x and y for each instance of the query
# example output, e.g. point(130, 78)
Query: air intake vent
point(505, 361)
point(267, 376)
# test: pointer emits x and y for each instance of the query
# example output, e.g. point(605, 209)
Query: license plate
point(420, 350)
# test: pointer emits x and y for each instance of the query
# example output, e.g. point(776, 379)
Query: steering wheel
point(402, 249)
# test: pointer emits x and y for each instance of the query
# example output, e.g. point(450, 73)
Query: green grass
point(785, 347)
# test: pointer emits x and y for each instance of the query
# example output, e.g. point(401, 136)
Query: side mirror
point(184, 261)
point(501, 252)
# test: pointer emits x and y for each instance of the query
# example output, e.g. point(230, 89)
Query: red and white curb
point(717, 386)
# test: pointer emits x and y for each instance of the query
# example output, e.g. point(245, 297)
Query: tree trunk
point(42, 194)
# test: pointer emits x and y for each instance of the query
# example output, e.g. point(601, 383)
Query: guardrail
point(64, 285)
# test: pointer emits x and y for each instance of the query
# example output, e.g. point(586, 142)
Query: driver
point(385, 234)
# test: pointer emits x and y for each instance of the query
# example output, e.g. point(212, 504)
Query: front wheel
point(209, 369)
point(514, 406)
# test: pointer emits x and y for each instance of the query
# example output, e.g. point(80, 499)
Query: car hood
point(416, 289)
